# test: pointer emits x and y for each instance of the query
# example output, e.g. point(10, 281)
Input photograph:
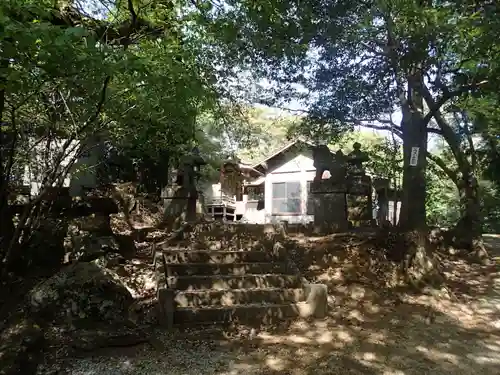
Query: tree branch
point(374, 50)
point(303, 111)
point(436, 106)
point(470, 142)
point(100, 104)
point(395, 129)
point(447, 132)
point(442, 164)
point(105, 31)
point(70, 113)
point(133, 14)
point(435, 131)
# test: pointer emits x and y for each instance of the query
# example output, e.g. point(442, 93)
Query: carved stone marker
point(330, 214)
point(346, 196)
point(231, 178)
point(359, 189)
point(381, 186)
point(181, 197)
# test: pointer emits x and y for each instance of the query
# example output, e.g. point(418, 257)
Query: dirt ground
point(370, 330)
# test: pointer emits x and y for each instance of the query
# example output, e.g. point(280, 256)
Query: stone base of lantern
point(359, 211)
point(180, 206)
point(330, 213)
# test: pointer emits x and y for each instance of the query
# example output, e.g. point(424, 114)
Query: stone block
point(330, 212)
point(329, 185)
point(359, 185)
point(359, 208)
point(316, 303)
point(166, 307)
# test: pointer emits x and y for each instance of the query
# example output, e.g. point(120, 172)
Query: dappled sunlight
point(276, 363)
point(371, 329)
point(309, 335)
point(367, 339)
point(436, 355)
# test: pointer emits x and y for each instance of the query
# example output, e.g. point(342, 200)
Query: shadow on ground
point(374, 330)
point(492, 241)
point(370, 329)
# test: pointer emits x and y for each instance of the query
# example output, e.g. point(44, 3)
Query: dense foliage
point(356, 63)
point(130, 86)
point(126, 85)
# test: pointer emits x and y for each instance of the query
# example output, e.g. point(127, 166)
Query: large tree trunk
point(468, 231)
point(413, 213)
point(6, 223)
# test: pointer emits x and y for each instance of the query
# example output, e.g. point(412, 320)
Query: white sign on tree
point(414, 156)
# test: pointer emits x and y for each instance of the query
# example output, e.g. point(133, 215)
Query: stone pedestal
point(359, 201)
point(359, 211)
point(381, 187)
point(330, 214)
point(181, 205)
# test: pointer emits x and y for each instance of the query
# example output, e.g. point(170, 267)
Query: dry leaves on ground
point(370, 330)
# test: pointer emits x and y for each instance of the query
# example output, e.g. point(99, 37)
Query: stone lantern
point(231, 177)
point(190, 168)
point(359, 189)
point(182, 198)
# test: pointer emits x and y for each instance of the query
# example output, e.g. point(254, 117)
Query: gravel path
point(365, 333)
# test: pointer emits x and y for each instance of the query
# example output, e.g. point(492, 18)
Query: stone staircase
point(228, 273)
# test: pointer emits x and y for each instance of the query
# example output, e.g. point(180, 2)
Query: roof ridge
point(280, 150)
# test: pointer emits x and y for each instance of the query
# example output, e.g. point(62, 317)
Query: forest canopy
point(146, 81)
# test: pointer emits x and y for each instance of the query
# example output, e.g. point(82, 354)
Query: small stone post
point(359, 189)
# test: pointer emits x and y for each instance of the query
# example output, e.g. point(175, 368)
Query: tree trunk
point(420, 264)
point(6, 223)
point(413, 213)
point(468, 231)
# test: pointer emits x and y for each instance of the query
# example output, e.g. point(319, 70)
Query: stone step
point(220, 282)
point(201, 269)
point(219, 257)
point(232, 231)
point(234, 245)
point(201, 243)
point(244, 314)
point(214, 298)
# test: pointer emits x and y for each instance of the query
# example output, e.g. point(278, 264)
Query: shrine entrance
point(229, 199)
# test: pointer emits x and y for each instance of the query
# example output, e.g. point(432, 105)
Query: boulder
point(21, 345)
point(316, 304)
point(86, 245)
point(110, 261)
point(81, 291)
point(85, 241)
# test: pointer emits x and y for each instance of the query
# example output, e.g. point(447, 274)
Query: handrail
point(222, 200)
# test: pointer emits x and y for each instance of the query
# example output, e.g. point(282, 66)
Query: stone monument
point(232, 178)
point(346, 197)
point(330, 210)
point(182, 197)
point(382, 187)
point(359, 189)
